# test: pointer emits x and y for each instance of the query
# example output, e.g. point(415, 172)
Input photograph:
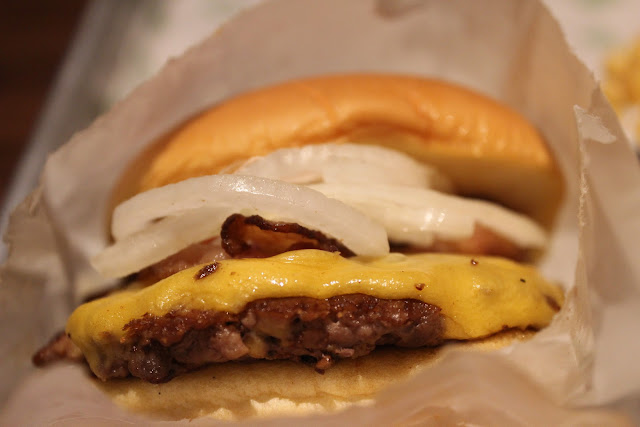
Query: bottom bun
point(240, 390)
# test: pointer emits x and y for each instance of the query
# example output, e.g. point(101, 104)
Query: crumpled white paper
point(511, 50)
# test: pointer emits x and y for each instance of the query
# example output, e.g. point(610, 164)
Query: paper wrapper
point(510, 50)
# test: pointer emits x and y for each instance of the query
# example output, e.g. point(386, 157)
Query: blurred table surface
point(63, 63)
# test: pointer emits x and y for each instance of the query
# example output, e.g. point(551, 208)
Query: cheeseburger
point(299, 247)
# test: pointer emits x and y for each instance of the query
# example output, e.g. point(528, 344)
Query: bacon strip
point(483, 241)
point(256, 237)
point(196, 254)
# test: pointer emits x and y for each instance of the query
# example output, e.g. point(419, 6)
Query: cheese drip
point(477, 296)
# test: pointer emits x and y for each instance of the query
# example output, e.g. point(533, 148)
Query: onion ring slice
point(419, 216)
point(343, 164)
point(273, 200)
point(158, 241)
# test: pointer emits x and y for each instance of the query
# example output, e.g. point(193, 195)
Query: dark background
point(34, 36)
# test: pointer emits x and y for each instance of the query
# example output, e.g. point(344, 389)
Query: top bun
point(487, 149)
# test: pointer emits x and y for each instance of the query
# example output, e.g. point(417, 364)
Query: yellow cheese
point(478, 296)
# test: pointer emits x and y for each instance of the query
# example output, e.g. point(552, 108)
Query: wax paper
point(579, 371)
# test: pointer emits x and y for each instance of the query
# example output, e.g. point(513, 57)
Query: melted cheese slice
point(477, 297)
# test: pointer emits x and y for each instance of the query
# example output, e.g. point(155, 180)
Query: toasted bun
point(487, 149)
point(278, 388)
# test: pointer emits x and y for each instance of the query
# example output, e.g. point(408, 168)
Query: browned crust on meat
point(314, 331)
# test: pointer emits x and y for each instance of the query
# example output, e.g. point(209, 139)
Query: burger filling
point(220, 277)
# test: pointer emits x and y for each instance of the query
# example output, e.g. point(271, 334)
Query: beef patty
point(315, 331)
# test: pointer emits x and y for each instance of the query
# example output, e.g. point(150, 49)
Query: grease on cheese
point(476, 298)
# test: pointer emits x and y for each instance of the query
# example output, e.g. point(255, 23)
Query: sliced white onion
point(249, 195)
point(158, 241)
point(344, 164)
point(418, 216)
